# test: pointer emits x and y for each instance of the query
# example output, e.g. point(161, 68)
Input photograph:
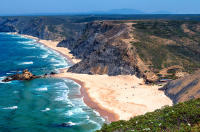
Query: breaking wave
point(10, 108)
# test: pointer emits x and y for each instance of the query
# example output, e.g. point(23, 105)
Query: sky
point(13, 7)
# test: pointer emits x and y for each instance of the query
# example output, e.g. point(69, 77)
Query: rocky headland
point(105, 48)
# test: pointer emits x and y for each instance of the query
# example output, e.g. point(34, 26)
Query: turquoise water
point(39, 105)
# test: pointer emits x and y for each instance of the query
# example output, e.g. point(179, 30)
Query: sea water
point(39, 105)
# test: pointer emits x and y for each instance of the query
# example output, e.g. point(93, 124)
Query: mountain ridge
point(120, 11)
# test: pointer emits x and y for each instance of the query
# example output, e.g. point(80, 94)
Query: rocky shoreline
point(25, 75)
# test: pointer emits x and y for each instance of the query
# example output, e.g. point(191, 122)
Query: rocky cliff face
point(50, 28)
point(184, 89)
point(105, 48)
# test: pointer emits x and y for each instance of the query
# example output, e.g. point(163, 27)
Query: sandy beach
point(114, 97)
point(125, 95)
point(53, 45)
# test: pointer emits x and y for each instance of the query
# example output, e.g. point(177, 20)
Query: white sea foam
point(97, 113)
point(72, 123)
point(46, 109)
point(93, 122)
point(27, 42)
point(10, 108)
point(62, 85)
point(42, 89)
point(47, 50)
point(26, 63)
point(2, 78)
point(42, 47)
point(87, 117)
point(74, 111)
point(8, 73)
point(54, 60)
point(73, 82)
point(44, 56)
point(29, 47)
point(59, 64)
point(69, 113)
point(62, 98)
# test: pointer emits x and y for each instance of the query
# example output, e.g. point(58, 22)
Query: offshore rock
point(26, 75)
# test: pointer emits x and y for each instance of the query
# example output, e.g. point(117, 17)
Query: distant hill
point(119, 11)
point(161, 12)
point(127, 11)
point(124, 11)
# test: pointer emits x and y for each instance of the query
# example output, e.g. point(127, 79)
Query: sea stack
point(26, 75)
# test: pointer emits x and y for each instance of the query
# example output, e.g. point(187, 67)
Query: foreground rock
point(26, 75)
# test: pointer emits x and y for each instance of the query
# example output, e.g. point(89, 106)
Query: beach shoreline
point(114, 97)
point(106, 114)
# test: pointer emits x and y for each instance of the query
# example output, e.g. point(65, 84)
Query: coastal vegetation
point(162, 44)
point(183, 117)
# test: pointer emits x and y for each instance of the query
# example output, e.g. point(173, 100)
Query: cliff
point(153, 49)
point(44, 27)
point(184, 89)
point(105, 48)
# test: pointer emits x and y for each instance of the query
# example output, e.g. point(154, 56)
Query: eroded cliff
point(105, 48)
point(184, 89)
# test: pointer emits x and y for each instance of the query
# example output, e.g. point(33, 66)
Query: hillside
point(184, 89)
point(151, 49)
point(170, 48)
point(44, 27)
point(184, 117)
point(105, 48)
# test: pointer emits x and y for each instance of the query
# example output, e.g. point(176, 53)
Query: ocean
point(40, 105)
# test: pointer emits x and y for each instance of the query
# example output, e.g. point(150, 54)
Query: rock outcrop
point(26, 75)
point(184, 89)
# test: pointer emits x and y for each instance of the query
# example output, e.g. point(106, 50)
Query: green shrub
point(183, 117)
